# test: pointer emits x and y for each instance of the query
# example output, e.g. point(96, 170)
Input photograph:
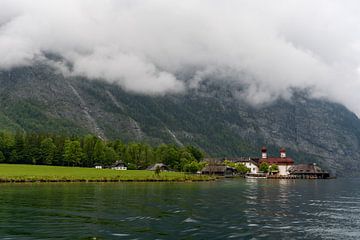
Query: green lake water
point(228, 209)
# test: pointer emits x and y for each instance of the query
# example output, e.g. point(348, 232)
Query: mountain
point(212, 117)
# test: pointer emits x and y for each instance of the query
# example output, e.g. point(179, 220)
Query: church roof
point(277, 160)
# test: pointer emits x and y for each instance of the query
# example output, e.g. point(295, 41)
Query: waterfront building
point(218, 169)
point(250, 163)
point(283, 162)
point(308, 171)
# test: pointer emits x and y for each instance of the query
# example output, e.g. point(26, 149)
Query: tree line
point(86, 151)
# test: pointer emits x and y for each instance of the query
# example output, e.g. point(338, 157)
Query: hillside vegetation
point(212, 117)
point(87, 151)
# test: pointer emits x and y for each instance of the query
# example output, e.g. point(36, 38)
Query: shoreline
point(43, 180)
point(102, 181)
point(22, 173)
point(188, 179)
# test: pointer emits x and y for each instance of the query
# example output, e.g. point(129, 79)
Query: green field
point(37, 173)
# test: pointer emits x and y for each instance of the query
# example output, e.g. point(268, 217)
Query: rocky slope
point(38, 98)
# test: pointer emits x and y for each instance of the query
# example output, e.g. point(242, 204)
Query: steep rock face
point(40, 99)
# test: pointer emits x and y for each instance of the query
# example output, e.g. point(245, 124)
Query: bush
point(193, 166)
point(264, 167)
point(241, 168)
point(273, 168)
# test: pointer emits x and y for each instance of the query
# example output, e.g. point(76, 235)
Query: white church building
point(283, 162)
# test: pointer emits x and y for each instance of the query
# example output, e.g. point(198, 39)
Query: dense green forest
point(88, 150)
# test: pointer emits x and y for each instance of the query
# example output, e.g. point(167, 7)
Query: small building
point(250, 164)
point(308, 171)
point(222, 170)
point(99, 166)
point(119, 165)
point(161, 166)
point(283, 162)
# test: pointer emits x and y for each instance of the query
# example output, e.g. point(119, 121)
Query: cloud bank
point(146, 46)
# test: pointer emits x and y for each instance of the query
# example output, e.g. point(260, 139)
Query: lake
point(227, 209)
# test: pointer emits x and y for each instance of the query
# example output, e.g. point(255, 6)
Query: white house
point(254, 168)
point(119, 165)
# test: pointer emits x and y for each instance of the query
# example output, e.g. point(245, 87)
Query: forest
point(88, 150)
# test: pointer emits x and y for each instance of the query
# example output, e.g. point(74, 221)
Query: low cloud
point(148, 46)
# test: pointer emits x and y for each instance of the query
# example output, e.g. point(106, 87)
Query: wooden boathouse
point(307, 171)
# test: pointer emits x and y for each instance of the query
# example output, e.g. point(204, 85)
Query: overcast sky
point(145, 46)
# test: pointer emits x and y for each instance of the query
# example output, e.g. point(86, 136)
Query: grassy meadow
point(41, 173)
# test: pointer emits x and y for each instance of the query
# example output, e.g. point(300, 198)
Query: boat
point(256, 175)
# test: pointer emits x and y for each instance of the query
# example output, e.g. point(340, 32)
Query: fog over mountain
point(168, 46)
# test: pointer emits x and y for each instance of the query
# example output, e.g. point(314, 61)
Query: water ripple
point(231, 209)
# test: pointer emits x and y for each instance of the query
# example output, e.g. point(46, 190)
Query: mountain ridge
point(38, 98)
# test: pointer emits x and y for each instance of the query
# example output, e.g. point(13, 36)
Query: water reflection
point(234, 209)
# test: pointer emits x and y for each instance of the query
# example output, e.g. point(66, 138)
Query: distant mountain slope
point(40, 99)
